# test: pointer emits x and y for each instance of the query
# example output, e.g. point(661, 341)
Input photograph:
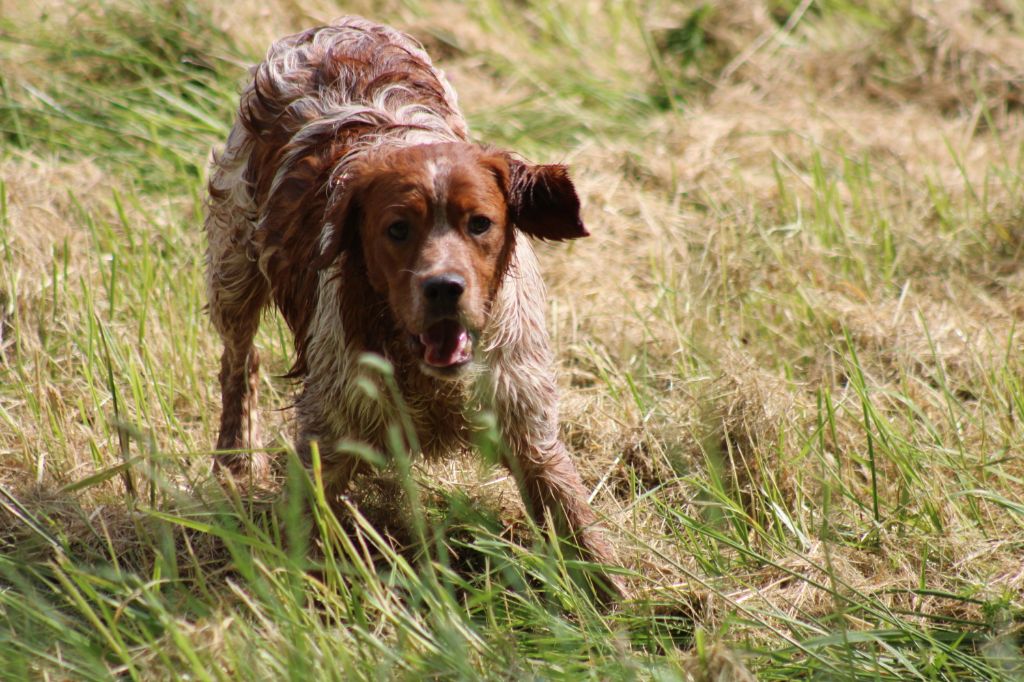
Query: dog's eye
point(479, 224)
point(399, 230)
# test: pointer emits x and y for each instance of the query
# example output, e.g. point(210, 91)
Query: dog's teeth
point(462, 353)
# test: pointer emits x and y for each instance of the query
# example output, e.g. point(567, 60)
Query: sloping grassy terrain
point(791, 358)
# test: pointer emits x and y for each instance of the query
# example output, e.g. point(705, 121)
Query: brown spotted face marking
point(433, 227)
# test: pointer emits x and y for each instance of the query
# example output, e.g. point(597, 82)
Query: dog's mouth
point(445, 345)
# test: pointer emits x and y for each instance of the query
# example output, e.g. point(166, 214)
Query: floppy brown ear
point(542, 201)
point(345, 215)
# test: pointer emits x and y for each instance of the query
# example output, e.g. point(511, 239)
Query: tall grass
point(792, 364)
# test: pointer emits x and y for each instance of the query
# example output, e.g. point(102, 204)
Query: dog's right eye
point(398, 230)
point(479, 224)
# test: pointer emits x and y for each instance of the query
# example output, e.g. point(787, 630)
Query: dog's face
point(435, 225)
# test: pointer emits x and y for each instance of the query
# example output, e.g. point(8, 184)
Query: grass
point(791, 355)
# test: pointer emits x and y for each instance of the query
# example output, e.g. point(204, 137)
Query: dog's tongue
point(446, 343)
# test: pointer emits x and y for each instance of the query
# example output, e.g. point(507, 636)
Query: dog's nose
point(444, 290)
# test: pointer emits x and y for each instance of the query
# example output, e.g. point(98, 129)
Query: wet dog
point(350, 195)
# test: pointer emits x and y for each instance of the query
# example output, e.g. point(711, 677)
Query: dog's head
point(435, 226)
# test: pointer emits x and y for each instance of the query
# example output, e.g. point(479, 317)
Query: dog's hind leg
point(237, 293)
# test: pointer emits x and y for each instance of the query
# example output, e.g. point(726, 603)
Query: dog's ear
point(345, 215)
point(542, 200)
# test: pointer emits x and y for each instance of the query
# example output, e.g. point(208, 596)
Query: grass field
point(791, 356)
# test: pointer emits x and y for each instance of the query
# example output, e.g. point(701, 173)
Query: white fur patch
point(325, 237)
point(439, 180)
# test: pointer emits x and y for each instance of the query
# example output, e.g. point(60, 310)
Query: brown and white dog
point(350, 194)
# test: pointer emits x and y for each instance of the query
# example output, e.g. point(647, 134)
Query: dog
point(350, 195)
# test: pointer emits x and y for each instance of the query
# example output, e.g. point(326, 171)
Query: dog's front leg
point(548, 480)
point(319, 427)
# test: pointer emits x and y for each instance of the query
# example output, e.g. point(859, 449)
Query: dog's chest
point(440, 413)
point(439, 417)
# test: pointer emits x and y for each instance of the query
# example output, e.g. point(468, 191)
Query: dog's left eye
point(398, 230)
point(479, 224)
